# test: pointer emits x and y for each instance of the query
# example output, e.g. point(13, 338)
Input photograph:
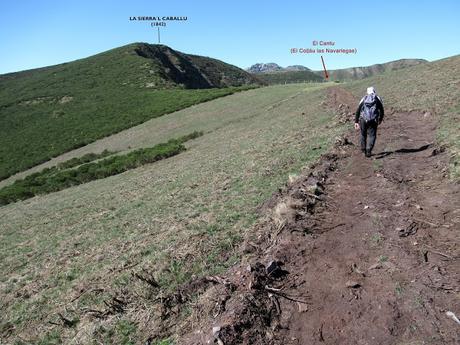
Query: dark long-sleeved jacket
point(379, 108)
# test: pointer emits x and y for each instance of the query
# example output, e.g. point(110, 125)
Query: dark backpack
point(369, 111)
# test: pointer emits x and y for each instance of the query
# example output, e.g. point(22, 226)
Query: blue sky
point(46, 32)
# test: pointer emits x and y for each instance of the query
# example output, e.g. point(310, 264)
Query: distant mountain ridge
point(273, 73)
point(264, 68)
point(297, 68)
point(287, 77)
point(355, 73)
point(272, 67)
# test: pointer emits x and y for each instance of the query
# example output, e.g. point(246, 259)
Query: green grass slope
point(286, 77)
point(48, 111)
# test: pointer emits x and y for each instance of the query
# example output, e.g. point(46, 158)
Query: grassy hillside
point(356, 73)
point(286, 77)
point(48, 111)
point(72, 251)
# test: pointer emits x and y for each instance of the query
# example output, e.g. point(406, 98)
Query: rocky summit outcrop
point(264, 68)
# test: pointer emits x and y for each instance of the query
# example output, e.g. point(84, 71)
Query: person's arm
point(380, 108)
point(358, 111)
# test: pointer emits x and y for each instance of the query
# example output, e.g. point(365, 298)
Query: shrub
point(72, 172)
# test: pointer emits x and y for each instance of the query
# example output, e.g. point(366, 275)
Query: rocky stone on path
point(352, 284)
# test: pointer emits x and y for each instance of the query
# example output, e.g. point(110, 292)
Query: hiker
point(368, 116)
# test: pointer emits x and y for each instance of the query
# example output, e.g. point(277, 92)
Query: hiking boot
point(368, 153)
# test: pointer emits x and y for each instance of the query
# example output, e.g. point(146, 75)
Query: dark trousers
point(368, 134)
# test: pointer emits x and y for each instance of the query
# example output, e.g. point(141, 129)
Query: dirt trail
point(370, 249)
point(384, 268)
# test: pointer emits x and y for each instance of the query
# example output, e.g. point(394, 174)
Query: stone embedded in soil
point(303, 307)
point(315, 189)
point(274, 269)
point(215, 331)
point(352, 284)
point(375, 266)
